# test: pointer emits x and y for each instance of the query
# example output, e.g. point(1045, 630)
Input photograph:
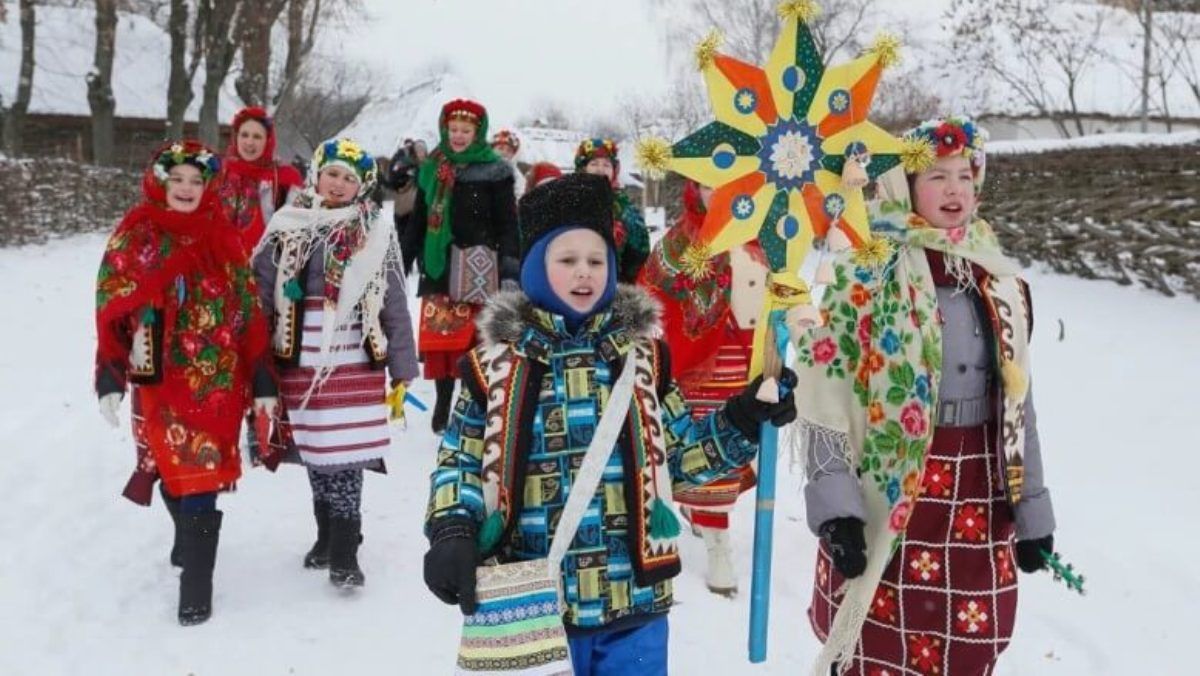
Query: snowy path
point(85, 586)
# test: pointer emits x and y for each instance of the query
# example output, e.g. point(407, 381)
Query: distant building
point(58, 122)
point(1008, 127)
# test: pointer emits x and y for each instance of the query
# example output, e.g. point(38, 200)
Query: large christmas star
point(783, 134)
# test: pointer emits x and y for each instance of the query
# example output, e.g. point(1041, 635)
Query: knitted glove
point(847, 545)
point(1029, 553)
point(748, 414)
point(109, 404)
point(450, 564)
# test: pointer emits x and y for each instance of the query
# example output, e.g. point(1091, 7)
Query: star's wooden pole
point(764, 510)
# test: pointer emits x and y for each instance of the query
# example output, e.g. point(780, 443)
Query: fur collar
point(508, 314)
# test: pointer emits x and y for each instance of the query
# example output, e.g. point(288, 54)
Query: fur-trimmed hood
point(510, 313)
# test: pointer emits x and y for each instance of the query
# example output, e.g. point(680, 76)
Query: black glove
point(1029, 553)
point(748, 414)
point(847, 545)
point(450, 564)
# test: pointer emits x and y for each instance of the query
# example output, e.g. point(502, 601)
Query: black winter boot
point(441, 409)
point(172, 509)
point(318, 556)
point(198, 549)
point(344, 537)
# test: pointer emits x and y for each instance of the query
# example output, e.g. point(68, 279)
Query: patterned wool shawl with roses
point(868, 383)
point(188, 272)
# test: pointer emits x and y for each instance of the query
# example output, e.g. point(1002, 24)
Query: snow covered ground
point(85, 586)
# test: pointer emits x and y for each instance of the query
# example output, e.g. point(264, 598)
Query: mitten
point(450, 564)
point(847, 545)
point(1029, 553)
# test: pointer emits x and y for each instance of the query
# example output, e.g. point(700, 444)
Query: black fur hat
point(581, 200)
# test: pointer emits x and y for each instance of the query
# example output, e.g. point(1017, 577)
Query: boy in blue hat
point(532, 396)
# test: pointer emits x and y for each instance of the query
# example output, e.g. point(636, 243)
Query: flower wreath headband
point(346, 153)
point(945, 137)
point(190, 153)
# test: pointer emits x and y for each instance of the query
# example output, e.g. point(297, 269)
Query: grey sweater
point(968, 374)
point(394, 318)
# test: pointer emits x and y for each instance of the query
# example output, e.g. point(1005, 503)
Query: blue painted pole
point(764, 523)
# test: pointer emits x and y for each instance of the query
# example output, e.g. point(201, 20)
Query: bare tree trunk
point(179, 89)
point(257, 19)
point(99, 82)
point(299, 43)
point(295, 36)
point(1166, 104)
point(1071, 83)
point(219, 49)
point(1148, 25)
point(1060, 125)
point(14, 117)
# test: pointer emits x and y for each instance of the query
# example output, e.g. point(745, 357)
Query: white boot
point(719, 576)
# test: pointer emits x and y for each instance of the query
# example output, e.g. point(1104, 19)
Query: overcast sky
point(512, 53)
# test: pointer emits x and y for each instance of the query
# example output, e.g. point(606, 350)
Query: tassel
point(853, 174)
point(825, 271)
point(293, 291)
point(663, 523)
point(768, 391)
point(489, 535)
point(653, 157)
point(886, 49)
point(837, 240)
point(804, 10)
point(706, 51)
point(1015, 384)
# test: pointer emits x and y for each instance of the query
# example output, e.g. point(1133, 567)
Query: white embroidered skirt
point(344, 423)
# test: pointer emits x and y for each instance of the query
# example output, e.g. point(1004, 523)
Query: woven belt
point(964, 412)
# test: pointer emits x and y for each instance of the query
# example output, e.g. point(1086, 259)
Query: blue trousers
point(641, 651)
point(200, 503)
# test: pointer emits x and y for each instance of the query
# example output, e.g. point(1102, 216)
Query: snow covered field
point(85, 586)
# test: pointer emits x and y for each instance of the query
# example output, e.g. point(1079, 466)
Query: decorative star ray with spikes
point(778, 151)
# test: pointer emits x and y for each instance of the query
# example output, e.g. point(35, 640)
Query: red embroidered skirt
point(948, 598)
point(446, 332)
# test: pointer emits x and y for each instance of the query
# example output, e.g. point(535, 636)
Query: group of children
point(235, 288)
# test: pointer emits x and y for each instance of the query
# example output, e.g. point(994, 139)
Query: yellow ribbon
point(395, 403)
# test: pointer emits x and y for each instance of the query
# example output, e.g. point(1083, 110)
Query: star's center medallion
point(791, 154)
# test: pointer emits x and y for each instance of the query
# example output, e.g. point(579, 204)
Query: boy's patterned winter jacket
point(532, 397)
